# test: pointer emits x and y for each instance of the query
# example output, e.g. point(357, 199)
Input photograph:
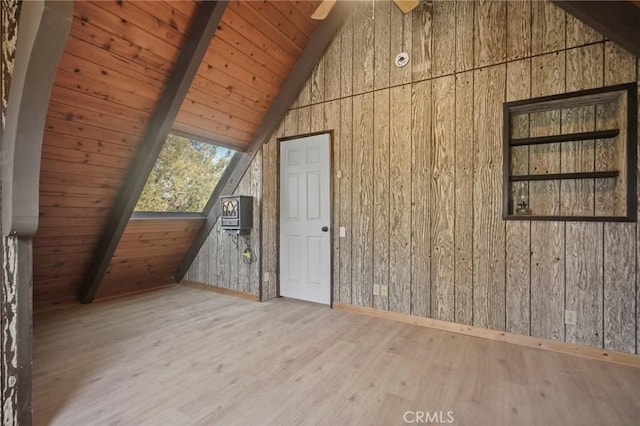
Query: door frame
point(285, 139)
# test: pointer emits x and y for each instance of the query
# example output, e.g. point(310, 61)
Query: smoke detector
point(402, 59)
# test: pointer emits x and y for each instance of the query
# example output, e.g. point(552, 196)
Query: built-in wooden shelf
point(557, 176)
point(620, 142)
point(568, 218)
point(568, 137)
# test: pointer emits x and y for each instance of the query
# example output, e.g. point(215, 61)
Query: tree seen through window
point(184, 176)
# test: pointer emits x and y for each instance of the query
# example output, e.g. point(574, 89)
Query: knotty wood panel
point(421, 41)
point(219, 262)
point(444, 47)
point(547, 27)
point(579, 33)
point(584, 282)
point(518, 233)
point(381, 195)
point(145, 38)
point(382, 47)
point(489, 32)
point(253, 186)
point(620, 269)
point(346, 198)
point(362, 203)
point(584, 71)
point(400, 41)
point(269, 229)
point(304, 97)
point(400, 181)
point(547, 238)
point(242, 273)
point(139, 265)
point(421, 141)
point(619, 283)
point(443, 198)
point(584, 241)
point(488, 232)
point(518, 29)
point(235, 21)
point(248, 63)
point(497, 282)
point(464, 35)
point(110, 76)
point(346, 54)
point(304, 121)
point(547, 79)
point(464, 165)
point(318, 115)
point(317, 83)
point(333, 68)
point(363, 48)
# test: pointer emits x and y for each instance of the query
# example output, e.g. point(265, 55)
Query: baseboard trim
point(501, 336)
point(220, 290)
point(133, 293)
point(58, 304)
point(54, 305)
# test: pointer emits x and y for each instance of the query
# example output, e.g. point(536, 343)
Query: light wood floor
point(183, 356)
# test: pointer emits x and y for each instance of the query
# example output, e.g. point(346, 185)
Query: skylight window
point(184, 176)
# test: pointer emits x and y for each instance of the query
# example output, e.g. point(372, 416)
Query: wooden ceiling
point(255, 47)
point(113, 71)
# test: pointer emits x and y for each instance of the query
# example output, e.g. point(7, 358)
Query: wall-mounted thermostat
point(237, 214)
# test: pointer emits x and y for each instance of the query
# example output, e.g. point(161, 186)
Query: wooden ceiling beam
point(618, 21)
point(201, 32)
point(313, 51)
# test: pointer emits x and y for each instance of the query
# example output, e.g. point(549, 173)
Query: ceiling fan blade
point(323, 10)
point(406, 6)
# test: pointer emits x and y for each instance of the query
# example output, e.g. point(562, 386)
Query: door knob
point(325, 229)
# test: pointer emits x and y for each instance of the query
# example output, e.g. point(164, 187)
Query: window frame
point(215, 192)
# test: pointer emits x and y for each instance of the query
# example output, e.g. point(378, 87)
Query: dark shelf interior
point(623, 140)
point(555, 176)
point(569, 137)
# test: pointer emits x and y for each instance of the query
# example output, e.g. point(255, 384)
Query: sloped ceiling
point(255, 47)
point(112, 74)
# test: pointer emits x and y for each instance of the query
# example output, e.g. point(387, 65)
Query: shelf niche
point(572, 156)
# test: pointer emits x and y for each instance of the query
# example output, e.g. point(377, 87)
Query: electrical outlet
point(570, 317)
point(267, 278)
point(384, 290)
point(376, 289)
point(343, 232)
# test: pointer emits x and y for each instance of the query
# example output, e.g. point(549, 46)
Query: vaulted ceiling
point(114, 70)
point(118, 64)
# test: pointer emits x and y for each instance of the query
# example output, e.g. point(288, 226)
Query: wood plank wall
point(220, 263)
point(429, 223)
point(148, 255)
point(9, 379)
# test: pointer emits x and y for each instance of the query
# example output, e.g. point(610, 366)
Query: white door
point(305, 216)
